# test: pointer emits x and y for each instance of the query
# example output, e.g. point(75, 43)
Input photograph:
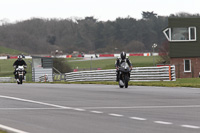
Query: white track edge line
point(37, 102)
point(191, 126)
point(118, 115)
point(138, 118)
point(163, 122)
point(97, 112)
point(10, 129)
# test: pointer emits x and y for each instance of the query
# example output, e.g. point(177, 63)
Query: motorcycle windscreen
point(124, 65)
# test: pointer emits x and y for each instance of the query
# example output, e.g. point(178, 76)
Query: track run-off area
point(82, 108)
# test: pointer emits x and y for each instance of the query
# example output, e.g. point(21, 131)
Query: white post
point(154, 46)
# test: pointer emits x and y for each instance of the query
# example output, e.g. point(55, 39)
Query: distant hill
point(9, 51)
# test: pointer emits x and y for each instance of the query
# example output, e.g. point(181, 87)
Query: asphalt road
point(69, 108)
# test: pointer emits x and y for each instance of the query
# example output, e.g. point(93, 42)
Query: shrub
point(61, 65)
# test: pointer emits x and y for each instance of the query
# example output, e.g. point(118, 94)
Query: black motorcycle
point(124, 75)
point(20, 74)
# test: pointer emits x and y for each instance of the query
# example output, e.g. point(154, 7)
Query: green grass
point(186, 82)
point(1, 131)
point(6, 68)
point(5, 51)
point(137, 61)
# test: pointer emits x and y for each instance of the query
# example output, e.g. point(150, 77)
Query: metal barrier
point(7, 79)
point(38, 73)
point(162, 73)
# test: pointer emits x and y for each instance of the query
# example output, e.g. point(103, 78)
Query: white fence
point(37, 73)
point(163, 73)
point(6, 79)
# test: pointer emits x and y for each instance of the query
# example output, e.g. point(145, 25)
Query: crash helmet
point(123, 55)
point(20, 57)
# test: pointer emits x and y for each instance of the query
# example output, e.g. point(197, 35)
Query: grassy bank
point(8, 51)
point(137, 61)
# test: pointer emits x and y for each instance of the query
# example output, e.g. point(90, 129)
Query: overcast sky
point(103, 10)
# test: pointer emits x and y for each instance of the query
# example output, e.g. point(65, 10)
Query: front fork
point(122, 76)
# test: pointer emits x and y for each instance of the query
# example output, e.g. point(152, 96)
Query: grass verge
point(1, 131)
point(9, 51)
point(186, 82)
point(137, 61)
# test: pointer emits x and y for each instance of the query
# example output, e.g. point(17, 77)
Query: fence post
point(46, 77)
point(170, 75)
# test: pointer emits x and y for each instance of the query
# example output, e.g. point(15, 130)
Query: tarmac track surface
point(71, 108)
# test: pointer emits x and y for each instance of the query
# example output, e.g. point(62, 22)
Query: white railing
point(6, 79)
point(163, 73)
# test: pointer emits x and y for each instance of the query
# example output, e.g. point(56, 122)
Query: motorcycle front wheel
point(121, 85)
point(20, 80)
point(126, 79)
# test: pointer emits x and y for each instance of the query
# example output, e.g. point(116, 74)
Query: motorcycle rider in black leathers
point(118, 63)
point(19, 62)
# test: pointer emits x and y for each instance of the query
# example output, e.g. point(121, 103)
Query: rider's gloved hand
point(117, 68)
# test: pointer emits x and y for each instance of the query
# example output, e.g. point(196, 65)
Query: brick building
point(183, 35)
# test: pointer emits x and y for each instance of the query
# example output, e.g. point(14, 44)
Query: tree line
point(88, 35)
